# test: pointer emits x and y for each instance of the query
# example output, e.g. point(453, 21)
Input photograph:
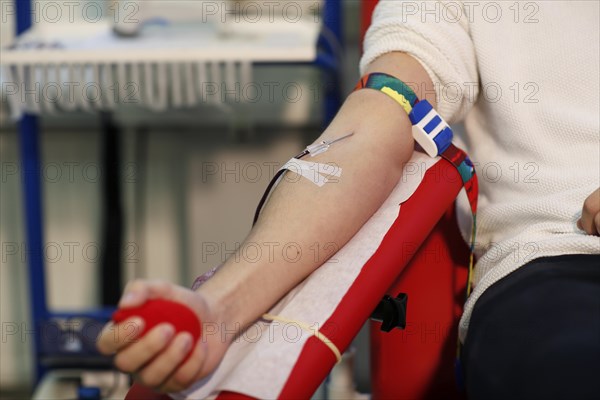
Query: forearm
point(301, 216)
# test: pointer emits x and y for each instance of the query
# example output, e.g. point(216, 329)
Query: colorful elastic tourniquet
point(395, 88)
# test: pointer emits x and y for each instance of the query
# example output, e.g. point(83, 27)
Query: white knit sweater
point(525, 79)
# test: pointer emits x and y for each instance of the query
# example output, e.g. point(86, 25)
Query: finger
point(160, 368)
point(187, 373)
point(136, 355)
point(138, 291)
point(597, 223)
point(116, 336)
point(591, 206)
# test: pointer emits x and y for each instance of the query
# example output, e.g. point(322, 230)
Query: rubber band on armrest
point(336, 352)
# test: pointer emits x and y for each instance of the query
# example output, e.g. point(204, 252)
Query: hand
point(590, 216)
point(156, 359)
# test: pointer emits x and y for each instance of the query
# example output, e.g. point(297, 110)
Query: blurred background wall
point(190, 179)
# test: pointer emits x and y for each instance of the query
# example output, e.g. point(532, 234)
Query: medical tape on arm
point(317, 173)
point(309, 170)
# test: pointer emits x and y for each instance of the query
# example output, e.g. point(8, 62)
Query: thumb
point(139, 291)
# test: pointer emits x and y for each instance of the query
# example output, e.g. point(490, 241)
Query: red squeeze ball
point(158, 311)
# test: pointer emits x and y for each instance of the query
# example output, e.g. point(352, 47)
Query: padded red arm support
point(418, 362)
point(418, 217)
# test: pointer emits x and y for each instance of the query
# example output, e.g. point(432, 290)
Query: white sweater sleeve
point(438, 36)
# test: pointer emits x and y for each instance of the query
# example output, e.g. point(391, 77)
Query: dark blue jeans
point(535, 334)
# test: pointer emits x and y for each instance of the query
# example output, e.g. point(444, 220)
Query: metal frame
point(28, 128)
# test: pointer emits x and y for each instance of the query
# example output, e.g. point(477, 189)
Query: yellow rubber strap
point(306, 327)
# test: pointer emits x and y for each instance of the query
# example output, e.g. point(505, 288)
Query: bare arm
point(298, 212)
point(301, 213)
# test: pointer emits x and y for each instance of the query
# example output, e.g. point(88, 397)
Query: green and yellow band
point(399, 91)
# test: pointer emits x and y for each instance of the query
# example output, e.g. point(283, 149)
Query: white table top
point(48, 57)
point(91, 43)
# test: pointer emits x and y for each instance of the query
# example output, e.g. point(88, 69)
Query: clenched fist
point(162, 359)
